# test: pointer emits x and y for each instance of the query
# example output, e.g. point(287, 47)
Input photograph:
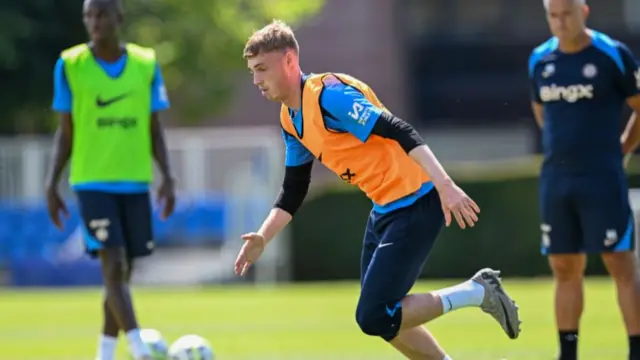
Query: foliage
point(199, 45)
point(32, 33)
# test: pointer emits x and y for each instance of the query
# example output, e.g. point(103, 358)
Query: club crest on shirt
point(549, 70)
point(589, 71)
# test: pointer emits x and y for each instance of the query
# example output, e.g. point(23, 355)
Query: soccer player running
point(338, 120)
point(580, 80)
point(108, 95)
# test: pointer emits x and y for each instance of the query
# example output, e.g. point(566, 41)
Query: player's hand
point(455, 201)
point(55, 206)
point(252, 248)
point(167, 197)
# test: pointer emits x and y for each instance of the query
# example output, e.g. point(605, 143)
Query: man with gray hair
point(580, 80)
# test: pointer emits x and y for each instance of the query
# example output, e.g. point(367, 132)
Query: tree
point(32, 33)
point(199, 45)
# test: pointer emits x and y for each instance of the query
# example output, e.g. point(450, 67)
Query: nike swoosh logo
point(385, 245)
point(392, 312)
point(104, 103)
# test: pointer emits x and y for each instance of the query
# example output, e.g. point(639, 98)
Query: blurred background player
point(580, 80)
point(108, 95)
point(340, 121)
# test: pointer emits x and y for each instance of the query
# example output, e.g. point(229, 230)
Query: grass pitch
point(301, 322)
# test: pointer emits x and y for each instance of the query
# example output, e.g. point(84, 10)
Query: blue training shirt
point(583, 96)
point(337, 101)
point(63, 100)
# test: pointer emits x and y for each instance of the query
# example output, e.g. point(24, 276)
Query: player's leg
point(568, 274)
point(406, 238)
point(119, 299)
point(136, 217)
point(483, 290)
point(622, 267)
point(105, 239)
point(392, 260)
point(416, 335)
point(609, 229)
point(418, 343)
point(111, 329)
point(562, 243)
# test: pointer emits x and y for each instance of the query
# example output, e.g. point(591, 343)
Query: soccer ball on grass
point(191, 347)
point(154, 340)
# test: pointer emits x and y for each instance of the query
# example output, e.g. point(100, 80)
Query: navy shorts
point(116, 221)
point(586, 214)
point(396, 247)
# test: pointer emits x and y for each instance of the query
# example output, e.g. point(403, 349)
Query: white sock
point(446, 357)
point(107, 348)
point(136, 345)
point(467, 294)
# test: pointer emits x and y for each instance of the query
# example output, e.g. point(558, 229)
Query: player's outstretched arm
point(357, 115)
point(454, 200)
point(255, 242)
point(297, 177)
point(277, 220)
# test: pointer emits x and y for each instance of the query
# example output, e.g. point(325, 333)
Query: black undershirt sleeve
point(294, 187)
point(391, 127)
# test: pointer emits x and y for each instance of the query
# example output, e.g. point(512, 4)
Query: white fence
point(241, 163)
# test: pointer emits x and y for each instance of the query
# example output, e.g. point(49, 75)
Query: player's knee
point(622, 266)
point(379, 320)
point(114, 266)
point(568, 267)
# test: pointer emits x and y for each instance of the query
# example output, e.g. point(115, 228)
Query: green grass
point(306, 322)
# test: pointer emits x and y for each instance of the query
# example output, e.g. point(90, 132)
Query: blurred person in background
point(108, 95)
point(339, 120)
point(580, 81)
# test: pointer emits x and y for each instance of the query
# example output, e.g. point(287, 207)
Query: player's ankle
point(466, 294)
point(107, 347)
point(568, 344)
point(137, 347)
point(634, 347)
